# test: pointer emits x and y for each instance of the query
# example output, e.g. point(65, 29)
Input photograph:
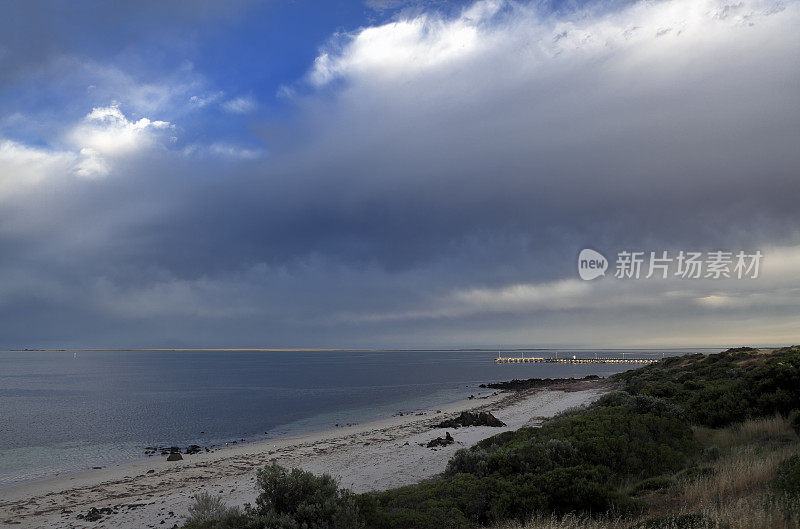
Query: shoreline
point(285, 432)
point(374, 455)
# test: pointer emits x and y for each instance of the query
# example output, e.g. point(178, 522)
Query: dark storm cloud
point(434, 164)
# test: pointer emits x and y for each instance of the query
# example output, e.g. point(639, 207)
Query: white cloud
point(205, 100)
point(91, 164)
point(22, 166)
point(223, 150)
point(103, 134)
point(427, 41)
point(107, 131)
point(404, 46)
point(240, 105)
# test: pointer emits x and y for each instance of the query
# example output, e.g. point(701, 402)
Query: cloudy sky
point(395, 174)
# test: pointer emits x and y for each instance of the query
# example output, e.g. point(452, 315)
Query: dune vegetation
point(700, 441)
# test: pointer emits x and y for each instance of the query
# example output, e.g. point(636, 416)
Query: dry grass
point(744, 471)
point(751, 453)
point(769, 429)
point(745, 513)
point(569, 521)
point(757, 511)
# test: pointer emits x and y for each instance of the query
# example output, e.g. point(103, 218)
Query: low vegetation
point(752, 484)
point(721, 389)
point(704, 441)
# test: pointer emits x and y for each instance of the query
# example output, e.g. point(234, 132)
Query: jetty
point(573, 359)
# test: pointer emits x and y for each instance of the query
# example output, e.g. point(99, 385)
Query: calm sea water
point(60, 413)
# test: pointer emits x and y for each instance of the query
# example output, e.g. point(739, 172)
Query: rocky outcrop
point(534, 383)
point(175, 456)
point(468, 418)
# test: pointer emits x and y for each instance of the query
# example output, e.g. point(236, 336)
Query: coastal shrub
point(208, 511)
point(466, 500)
point(466, 461)
point(636, 436)
point(724, 388)
point(456, 502)
point(206, 507)
point(788, 476)
point(653, 484)
point(298, 499)
point(576, 462)
point(794, 420)
point(710, 454)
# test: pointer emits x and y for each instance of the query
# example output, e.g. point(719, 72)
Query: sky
point(396, 174)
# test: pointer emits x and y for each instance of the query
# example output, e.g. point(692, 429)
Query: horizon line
point(374, 349)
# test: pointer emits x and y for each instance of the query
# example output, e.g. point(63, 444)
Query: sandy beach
point(372, 456)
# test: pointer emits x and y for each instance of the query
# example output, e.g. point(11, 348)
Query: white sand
point(392, 458)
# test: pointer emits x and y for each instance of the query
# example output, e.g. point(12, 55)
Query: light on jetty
point(574, 359)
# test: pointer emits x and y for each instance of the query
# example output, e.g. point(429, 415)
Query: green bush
point(288, 500)
point(206, 507)
point(788, 476)
point(653, 484)
point(465, 500)
point(295, 498)
point(720, 389)
point(710, 454)
point(638, 436)
point(456, 502)
point(210, 512)
point(794, 420)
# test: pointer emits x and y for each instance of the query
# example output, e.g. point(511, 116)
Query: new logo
point(591, 264)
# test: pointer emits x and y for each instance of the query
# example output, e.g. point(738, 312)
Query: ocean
point(62, 412)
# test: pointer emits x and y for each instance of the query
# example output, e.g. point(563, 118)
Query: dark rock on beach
point(467, 418)
point(175, 456)
point(167, 450)
point(441, 441)
point(95, 514)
